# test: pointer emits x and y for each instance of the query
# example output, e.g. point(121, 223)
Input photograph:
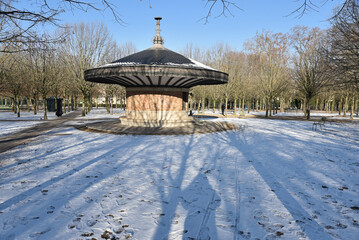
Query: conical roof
point(156, 67)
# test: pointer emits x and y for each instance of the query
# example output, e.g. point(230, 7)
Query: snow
point(10, 116)
point(312, 114)
point(269, 179)
point(101, 113)
point(10, 123)
point(296, 113)
point(194, 64)
point(119, 64)
point(201, 65)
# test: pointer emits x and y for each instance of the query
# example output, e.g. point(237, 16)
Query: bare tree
point(309, 66)
point(12, 74)
point(271, 53)
point(219, 59)
point(112, 92)
point(86, 46)
point(43, 65)
point(18, 22)
point(344, 49)
point(306, 6)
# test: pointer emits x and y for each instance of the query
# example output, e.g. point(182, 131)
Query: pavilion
point(157, 82)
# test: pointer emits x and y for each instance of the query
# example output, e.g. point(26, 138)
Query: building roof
point(157, 56)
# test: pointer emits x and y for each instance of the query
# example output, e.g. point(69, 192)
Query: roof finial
point(158, 39)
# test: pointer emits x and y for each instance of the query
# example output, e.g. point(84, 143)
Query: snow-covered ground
point(100, 113)
point(297, 113)
point(269, 179)
point(312, 114)
point(10, 123)
point(25, 116)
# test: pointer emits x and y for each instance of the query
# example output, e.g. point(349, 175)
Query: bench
point(320, 123)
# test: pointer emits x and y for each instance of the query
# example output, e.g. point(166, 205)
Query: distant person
point(223, 107)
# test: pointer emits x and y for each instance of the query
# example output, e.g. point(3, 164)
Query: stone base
point(155, 123)
point(157, 118)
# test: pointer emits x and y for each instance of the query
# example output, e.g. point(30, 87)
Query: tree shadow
point(304, 219)
point(20, 197)
point(169, 202)
point(200, 200)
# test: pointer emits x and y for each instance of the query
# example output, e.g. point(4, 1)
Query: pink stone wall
point(154, 101)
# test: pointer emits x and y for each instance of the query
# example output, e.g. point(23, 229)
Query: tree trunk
point(111, 106)
point(18, 106)
point(307, 114)
point(263, 105)
point(214, 105)
point(345, 106)
point(340, 106)
point(316, 104)
point(235, 107)
point(203, 101)
point(190, 103)
point(267, 107)
point(89, 103)
point(107, 103)
point(83, 110)
point(68, 103)
point(36, 105)
point(45, 107)
point(225, 107)
point(76, 104)
point(72, 103)
point(282, 105)
point(29, 104)
point(273, 106)
point(13, 105)
point(352, 108)
point(64, 103)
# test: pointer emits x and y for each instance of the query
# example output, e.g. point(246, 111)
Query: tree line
point(305, 68)
point(40, 69)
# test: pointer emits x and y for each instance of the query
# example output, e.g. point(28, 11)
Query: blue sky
point(182, 23)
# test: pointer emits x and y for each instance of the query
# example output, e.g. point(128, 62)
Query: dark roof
point(159, 56)
point(156, 67)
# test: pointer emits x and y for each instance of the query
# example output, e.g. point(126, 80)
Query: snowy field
point(296, 113)
point(270, 179)
point(100, 113)
point(10, 123)
point(25, 116)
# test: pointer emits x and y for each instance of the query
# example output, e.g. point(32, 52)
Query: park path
point(10, 141)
